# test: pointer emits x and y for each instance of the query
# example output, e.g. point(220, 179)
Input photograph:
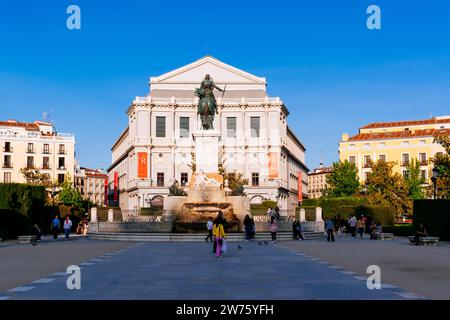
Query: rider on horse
point(207, 105)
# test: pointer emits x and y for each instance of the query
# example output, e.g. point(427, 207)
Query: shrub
point(434, 215)
point(13, 224)
point(400, 230)
point(383, 214)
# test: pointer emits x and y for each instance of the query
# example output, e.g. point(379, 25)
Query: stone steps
point(192, 237)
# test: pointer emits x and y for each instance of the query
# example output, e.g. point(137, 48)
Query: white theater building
point(255, 138)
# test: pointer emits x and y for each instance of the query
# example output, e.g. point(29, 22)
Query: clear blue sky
point(333, 73)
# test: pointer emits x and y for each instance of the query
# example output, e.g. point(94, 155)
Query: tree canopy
point(343, 180)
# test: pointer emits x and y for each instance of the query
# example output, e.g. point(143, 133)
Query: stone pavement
point(23, 263)
point(187, 271)
point(424, 270)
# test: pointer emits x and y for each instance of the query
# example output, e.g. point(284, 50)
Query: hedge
point(434, 215)
point(401, 230)
point(13, 224)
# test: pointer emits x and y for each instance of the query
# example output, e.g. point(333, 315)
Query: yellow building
point(317, 181)
point(397, 142)
point(35, 145)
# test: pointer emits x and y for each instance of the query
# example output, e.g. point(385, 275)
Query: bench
point(27, 239)
point(384, 236)
point(425, 240)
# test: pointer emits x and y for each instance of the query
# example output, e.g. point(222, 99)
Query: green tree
point(69, 195)
point(35, 177)
point(441, 162)
point(414, 181)
point(343, 180)
point(385, 187)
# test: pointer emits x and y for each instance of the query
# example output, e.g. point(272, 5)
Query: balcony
point(46, 152)
point(63, 152)
point(62, 168)
point(31, 151)
point(423, 162)
point(405, 163)
point(7, 149)
point(7, 165)
point(367, 165)
point(31, 166)
point(46, 168)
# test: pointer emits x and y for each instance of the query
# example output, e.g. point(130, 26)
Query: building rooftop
point(400, 134)
point(436, 120)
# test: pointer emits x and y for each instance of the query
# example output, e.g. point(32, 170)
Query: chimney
point(345, 137)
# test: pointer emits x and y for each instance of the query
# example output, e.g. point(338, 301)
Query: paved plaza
point(189, 271)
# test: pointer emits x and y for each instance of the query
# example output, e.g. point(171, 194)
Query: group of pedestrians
point(56, 225)
point(352, 225)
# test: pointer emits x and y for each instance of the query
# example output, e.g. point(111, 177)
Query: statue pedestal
point(207, 150)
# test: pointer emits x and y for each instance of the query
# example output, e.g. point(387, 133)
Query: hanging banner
point(142, 165)
point(116, 185)
point(273, 165)
point(300, 185)
point(106, 192)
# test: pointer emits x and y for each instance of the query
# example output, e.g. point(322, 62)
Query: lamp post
point(89, 199)
point(434, 179)
point(53, 193)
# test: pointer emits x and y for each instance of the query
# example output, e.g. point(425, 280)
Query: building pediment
point(190, 76)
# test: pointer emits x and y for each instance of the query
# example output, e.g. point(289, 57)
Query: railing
point(134, 215)
point(31, 151)
point(5, 149)
point(46, 168)
point(405, 163)
point(423, 162)
point(62, 151)
point(7, 165)
point(46, 152)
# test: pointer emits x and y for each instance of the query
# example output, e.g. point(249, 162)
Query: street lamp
point(434, 179)
point(89, 199)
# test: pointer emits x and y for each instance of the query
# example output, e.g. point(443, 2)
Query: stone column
point(319, 214)
point(302, 215)
point(110, 215)
point(207, 150)
point(93, 214)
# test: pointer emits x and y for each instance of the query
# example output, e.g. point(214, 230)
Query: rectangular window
point(30, 148)
point(160, 127)
point(405, 173)
point(254, 127)
point(30, 162)
point(352, 159)
point(382, 157)
point(46, 163)
point(7, 177)
point(367, 161)
point(7, 162)
point(61, 163)
point(7, 147)
point(255, 179)
point(423, 159)
point(405, 159)
point(423, 175)
point(184, 179)
point(61, 178)
point(46, 148)
point(160, 179)
point(231, 127)
point(62, 149)
point(184, 127)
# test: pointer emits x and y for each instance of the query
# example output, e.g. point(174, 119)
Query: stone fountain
point(207, 194)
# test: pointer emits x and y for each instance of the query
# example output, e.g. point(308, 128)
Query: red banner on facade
point(106, 192)
point(116, 185)
point(273, 165)
point(300, 186)
point(142, 165)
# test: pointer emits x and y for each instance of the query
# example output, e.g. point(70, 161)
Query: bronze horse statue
point(207, 105)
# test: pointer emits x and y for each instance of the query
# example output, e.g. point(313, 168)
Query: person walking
point(54, 227)
point(67, 227)
point(248, 227)
point(361, 225)
point(209, 227)
point(300, 231)
point(329, 226)
point(219, 236)
point(352, 222)
point(219, 219)
point(273, 229)
point(295, 230)
point(253, 229)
